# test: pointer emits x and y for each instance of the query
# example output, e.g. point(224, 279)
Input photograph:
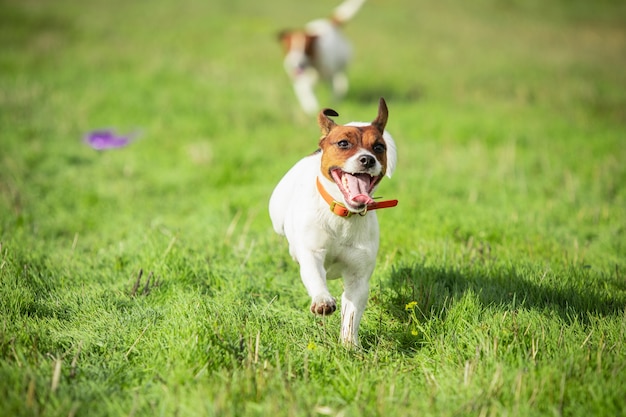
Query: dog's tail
point(345, 11)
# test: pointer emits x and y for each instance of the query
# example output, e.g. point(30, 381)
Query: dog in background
point(320, 50)
point(323, 206)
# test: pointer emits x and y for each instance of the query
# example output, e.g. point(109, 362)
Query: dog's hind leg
point(353, 302)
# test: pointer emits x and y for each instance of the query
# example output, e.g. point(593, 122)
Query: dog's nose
point(367, 161)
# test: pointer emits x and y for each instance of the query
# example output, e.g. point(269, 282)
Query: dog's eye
point(343, 144)
point(379, 148)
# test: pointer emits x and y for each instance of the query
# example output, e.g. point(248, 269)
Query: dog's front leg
point(303, 87)
point(340, 85)
point(353, 302)
point(313, 276)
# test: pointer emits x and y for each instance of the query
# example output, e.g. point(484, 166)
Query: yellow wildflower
point(410, 306)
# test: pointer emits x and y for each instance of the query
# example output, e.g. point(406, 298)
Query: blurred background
point(502, 109)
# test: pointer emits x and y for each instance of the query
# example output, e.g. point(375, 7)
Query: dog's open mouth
point(356, 188)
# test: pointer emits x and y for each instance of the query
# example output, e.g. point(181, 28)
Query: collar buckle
point(339, 209)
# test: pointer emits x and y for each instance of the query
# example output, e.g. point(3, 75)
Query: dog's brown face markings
point(366, 144)
point(288, 38)
point(298, 40)
point(343, 142)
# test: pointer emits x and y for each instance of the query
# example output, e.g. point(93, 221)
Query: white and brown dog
point(320, 50)
point(323, 206)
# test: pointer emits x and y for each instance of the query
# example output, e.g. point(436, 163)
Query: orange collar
point(340, 210)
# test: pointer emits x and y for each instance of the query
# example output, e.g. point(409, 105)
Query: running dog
point(320, 50)
point(323, 206)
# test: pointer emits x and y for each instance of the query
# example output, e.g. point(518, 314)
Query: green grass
point(500, 287)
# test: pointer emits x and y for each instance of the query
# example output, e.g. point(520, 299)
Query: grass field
point(147, 280)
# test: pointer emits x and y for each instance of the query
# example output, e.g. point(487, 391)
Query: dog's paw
point(323, 305)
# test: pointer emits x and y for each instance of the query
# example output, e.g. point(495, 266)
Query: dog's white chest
point(298, 212)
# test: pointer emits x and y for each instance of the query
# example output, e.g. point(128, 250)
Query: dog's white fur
point(325, 245)
point(320, 50)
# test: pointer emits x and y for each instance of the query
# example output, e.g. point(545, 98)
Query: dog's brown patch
point(340, 142)
point(290, 38)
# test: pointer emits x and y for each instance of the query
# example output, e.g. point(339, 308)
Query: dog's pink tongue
point(358, 186)
point(362, 199)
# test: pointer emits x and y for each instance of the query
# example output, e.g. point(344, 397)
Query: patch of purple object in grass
point(106, 139)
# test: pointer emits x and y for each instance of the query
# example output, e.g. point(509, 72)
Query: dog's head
point(356, 156)
point(298, 49)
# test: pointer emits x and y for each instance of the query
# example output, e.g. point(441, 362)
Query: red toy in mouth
point(356, 188)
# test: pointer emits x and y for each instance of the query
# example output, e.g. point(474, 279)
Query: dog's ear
point(284, 33)
point(283, 37)
point(381, 120)
point(325, 122)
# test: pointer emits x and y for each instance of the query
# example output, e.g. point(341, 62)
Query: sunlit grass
point(147, 280)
